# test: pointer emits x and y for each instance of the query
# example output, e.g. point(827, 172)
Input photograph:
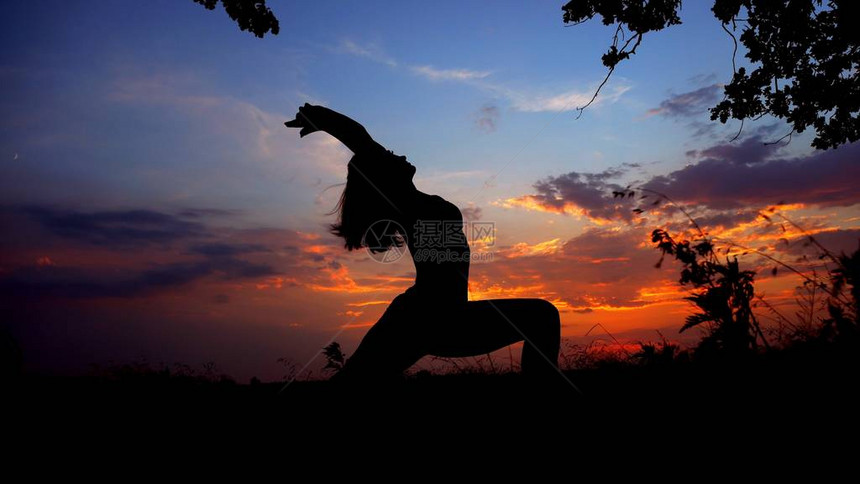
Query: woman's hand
point(312, 118)
point(307, 119)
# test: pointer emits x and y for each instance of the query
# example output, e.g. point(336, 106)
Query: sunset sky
point(154, 207)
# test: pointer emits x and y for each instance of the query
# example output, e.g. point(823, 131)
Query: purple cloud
point(590, 192)
point(487, 118)
point(688, 103)
point(733, 177)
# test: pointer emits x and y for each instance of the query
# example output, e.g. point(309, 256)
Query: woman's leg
point(407, 331)
point(480, 327)
point(389, 347)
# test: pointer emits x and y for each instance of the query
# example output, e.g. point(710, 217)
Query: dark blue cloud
point(127, 228)
point(78, 283)
point(218, 249)
point(136, 231)
point(207, 212)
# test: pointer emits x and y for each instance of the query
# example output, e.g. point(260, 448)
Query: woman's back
point(439, 250)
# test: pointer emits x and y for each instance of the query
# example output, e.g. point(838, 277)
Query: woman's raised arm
point(312, 118)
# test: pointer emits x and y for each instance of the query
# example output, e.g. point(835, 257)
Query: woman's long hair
point(361, 205)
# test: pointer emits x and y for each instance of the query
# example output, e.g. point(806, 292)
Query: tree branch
point(623, 54)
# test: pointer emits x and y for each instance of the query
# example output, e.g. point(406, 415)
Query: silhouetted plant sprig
point(334, 356)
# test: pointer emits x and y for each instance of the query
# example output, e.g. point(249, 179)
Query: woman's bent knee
point(547, 314)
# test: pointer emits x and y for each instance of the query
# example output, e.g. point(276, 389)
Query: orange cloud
point(338, 279)
point(276, 283)
point(609, 259)
point(668, 291)
point(534, 203)
point(45, 261)
point(523, 249)
point(367, 303)
point(318, 249)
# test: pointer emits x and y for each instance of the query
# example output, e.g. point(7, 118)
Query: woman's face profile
point(396, 170)
point(408, 168)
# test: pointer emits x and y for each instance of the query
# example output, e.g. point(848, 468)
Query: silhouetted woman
point(434, 316)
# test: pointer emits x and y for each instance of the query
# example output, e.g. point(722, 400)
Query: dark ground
point(797, 408)
point(802, 385)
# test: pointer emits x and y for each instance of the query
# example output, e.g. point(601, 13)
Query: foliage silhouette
point(805, 55)
point(251, 15)
point(660, 354)
point(725, 295)
point(843, 321)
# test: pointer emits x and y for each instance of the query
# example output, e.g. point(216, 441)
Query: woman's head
point(375, 190)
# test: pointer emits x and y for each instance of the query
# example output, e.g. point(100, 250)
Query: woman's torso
point(440, 251)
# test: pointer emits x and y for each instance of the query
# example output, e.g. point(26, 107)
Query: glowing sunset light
point(154, 206)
